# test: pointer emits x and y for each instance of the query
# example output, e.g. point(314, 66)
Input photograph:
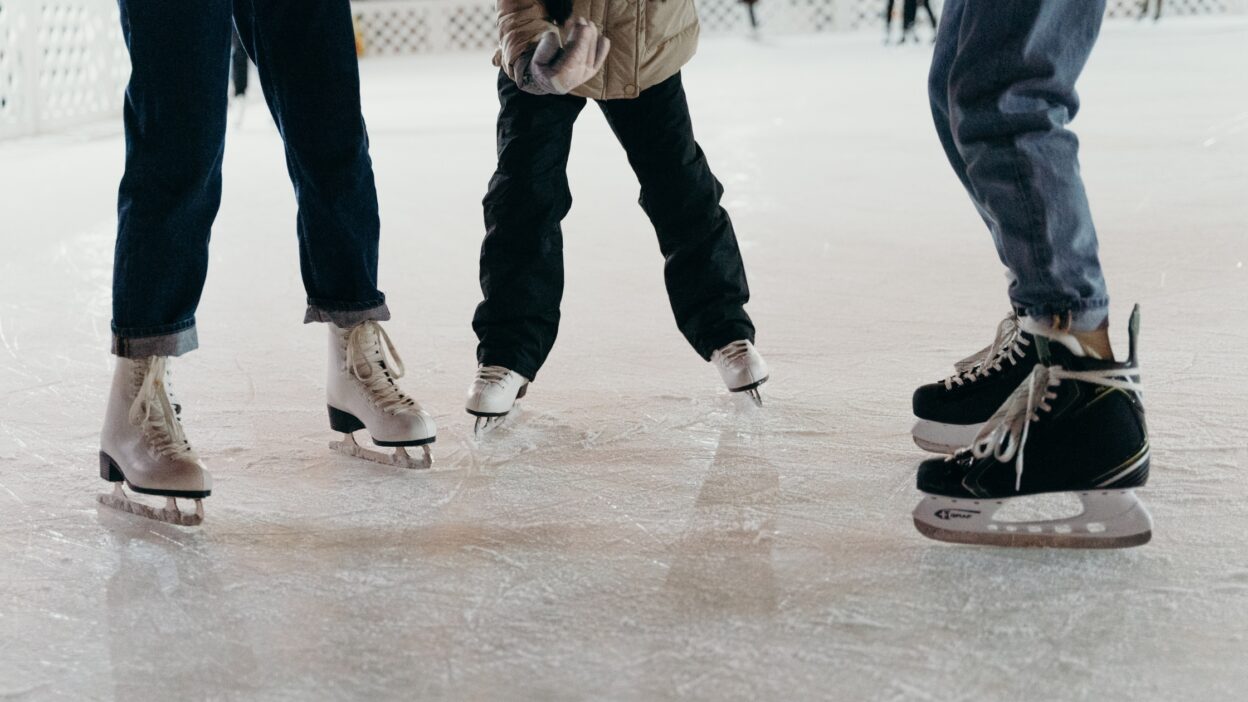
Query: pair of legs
point(909, 13)
point(528, 197)
point(175, 118)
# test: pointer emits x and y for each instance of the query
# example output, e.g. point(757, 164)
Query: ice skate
point(742, 367)
point(362, 393)
point(143, 446)
point(951, 412)
point(492, 395)
point(1075, 425)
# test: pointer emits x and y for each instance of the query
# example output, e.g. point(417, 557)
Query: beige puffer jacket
point(651, 40)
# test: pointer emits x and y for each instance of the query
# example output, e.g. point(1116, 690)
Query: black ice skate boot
point(951, 412)
point(1076, 425)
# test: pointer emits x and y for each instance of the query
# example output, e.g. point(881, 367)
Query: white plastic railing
point(62, 62)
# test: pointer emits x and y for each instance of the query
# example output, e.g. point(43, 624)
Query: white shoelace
point(1007, 345)
point(153, 413)
point(735, 352)
point(1004, 435)
point(381, 364)
point(492, 374)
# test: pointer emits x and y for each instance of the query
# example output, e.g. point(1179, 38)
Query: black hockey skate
point(1075, 425)
point(951, 412)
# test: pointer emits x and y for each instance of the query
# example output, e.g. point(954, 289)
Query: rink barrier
point(63, 62)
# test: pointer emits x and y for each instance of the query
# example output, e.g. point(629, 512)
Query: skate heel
point(343, 422)
point(109, 470)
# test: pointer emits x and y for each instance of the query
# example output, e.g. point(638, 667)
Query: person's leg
point(304, 51)
point(174, 115)
point(909, 12)
point(239, 68)
point(931, 15)
point(888, 18)
point(943, 54)
point(522, 254)
point(704, 272)
point(1011, 92)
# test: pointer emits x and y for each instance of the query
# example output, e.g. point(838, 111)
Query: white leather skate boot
point(144, 447)
point(362, 393)
point(742, 367)
point(493, 394)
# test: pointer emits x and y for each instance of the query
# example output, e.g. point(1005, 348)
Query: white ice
point(637, 533)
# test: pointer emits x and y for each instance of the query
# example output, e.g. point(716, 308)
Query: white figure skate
point(144, 447)
point(362, 393)
point(742, 367)
point(493, 395)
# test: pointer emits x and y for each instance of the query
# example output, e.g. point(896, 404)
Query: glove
point(551, 69)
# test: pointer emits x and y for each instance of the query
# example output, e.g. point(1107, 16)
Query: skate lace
point(1004, 435)
point(154, 414)
point(1007, 345)
point(492, 374)
point(736, 352)
point(373, 360)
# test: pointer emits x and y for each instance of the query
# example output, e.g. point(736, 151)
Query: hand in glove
point(551, 69)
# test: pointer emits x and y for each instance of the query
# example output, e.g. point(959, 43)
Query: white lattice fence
point(62, 62)
point(388, 27)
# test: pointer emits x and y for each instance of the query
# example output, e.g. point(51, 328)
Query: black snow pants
point(528, 197)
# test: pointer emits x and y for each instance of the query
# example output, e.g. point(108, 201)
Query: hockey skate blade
point(1110, 519)
point(941, 438)
point(399, 459)
point(170, 514)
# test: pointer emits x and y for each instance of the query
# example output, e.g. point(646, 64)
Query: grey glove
point(552, 69)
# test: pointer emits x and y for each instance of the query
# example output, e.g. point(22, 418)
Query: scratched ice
point(637, 533)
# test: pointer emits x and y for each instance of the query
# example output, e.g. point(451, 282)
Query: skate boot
point(362, 393)
point(951, 412)
point(742, 367)
point(1075, 425)
point(492, 396)
point(144, 447)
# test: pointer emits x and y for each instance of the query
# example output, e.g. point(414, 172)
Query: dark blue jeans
point(1002, 88)
point(529, 195)
point(175, 119)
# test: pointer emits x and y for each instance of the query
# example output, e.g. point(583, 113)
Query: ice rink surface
point(636, 533)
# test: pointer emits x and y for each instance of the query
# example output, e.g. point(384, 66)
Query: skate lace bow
point(373, 360)
point(1004, 435)
point(1007, 345)
point(153, 412)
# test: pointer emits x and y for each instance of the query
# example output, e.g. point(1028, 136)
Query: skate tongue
point(1043, 331)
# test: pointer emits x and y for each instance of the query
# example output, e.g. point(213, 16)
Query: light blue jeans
point(1002, 89)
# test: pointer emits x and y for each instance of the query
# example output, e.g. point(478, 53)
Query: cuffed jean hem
point(345, 319)
point(174, 344)
point(1081, 316)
